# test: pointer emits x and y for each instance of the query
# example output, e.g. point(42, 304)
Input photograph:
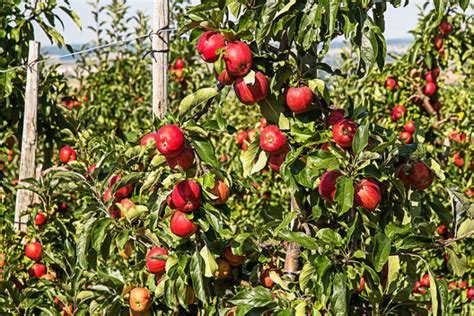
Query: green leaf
point(83, 242)
point(339, 294)
point(260, 164)
point(205, 151)
point(361, 139)
point(196, 270)
point(393, 271)
point(209, 261)
point(99, 231)
point(318, 86)
point(189, 103)
point(344, 196)
point(306, 274)
point(247, 158)
point(466, 227)
point(329, 236)
point(299, 238)
point(457, 264)
point(381, 251)
point(255, 297)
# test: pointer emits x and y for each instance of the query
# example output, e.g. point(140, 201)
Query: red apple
point(40, 219)
point(91, 169)
point(208, 45)
point(390, 83)
point(275, 161)
point(452, 285)
point(398, 111)
point(403, 174)
point(221, 190)
point(343, 132)
point(265, 278)
point(438, 43)
point(263, 123)
point(241, 137)
point(181, 226)
point(37, 270)
point(462, 284)
point(156, 265)
point(335, 116)
point(232, 259)
point(470, 293)
point(272, 140)
point(458, 138)
point(430, 89)
point(225, 79)
point(410, 127)
point(179, 63)
point(186, 195)
point(140, 301)
point(405, 137)
point(367, 194)
point(445, 28)
point(361, 285)
point(421, 176)
point(184, 160)
point(327, 185)
point(299, 99)
point(252, 135)
point(425, 281)
point(34, 251)
point(67, 154)
point(238, 58)
point(148, 139)
point(459, 159)
point(430, 76)
point(442, 230)
point(251, 93)
point(170, 140)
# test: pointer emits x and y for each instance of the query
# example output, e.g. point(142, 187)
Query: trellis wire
point(88, 50)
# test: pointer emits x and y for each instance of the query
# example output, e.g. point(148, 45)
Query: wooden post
point(24, 197)
point(292, 249)
point(160, 57)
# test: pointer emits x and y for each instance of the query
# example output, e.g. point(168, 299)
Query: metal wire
point(87, 50)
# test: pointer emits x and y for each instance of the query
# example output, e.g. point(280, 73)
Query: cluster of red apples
point(237, 57)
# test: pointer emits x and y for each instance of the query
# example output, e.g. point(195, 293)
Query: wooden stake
point(24, 197)
point(160, 57)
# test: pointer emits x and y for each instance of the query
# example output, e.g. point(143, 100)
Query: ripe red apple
point(208, 45)
point(140, 300)
point(265, 278)
point(343, 132)
point(403, 174)
point(34, 251)
point(421, 176)
point(148, 139)
point(184, 160)
point(458, 159)
point(405, 137)
point(251, 93)
point(37, 270)
point(335, 116)
point(221, 190)
point(438, 43)
point(436, 105)
point(397, 112)
point(272, 140)
point(123, 192)
point(232, 259)
point(470, 293)
point(40, 219)
point(62, 207)
point(430, 76)
point(367, 194)
point(186, 195)
point(238, 58)
point(170, 203)
point(469, 192)
point(462, 284)
point(156, 265)
point(425, 280)
point(252, 135)
point(170, 140)
point(452, 285)
point(459, 138)
point(275, 161)
point(179, 63)
point(442, 230)
point(241, 137)
point(181, 226)
point(91, 169)
point(445, 28)
point(2, 259)
point(107, 194)
point(416, 287)
point(390, 83)
point(67, 154)
point(299, 99)
point(127, 204)
point(410, 127)
point(225, 79)
point(48, 276)
point(327, 185)
point(430, 89)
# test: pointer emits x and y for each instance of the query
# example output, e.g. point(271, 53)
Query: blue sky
point(398, 21)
